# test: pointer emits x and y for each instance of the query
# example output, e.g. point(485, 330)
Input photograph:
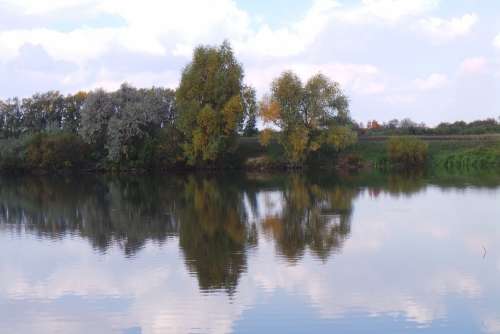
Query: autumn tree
point(309, 116)
point(213, 103)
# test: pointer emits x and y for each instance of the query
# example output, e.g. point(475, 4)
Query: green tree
point(97, 110)
point(72, 112)
point(309, 116)
point(125, 125)
point(250, 105)
point(211, 100)
point(12, 116)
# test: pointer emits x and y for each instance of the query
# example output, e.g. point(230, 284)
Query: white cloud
point(153, 39)
point(471, 66)
point(442, 30)
point(399, 99)
point(390, 11)
point(432, 82)
point(359, 78)
point(496, 41)
point(31, 7)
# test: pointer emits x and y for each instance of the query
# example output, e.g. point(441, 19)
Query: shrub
point(55, 151)
point(167, 151)
point(11, 154)
point(407, 151)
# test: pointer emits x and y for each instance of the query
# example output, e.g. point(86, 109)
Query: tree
point(125, 124)
point(12, 117)
point(250, 106)
point(43, 112)
point(72, 112)
point(307, 115)
point(211, 100)
point(97, 110)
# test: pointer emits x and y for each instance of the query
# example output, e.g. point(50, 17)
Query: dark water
point(250, 254)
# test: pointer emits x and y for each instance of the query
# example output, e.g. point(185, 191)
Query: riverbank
point(458, 151)
point(443, 151)
point(450, 152)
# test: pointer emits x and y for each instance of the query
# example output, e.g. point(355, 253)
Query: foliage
point(55, 151)
point(265, 137)
point(12, 154)
point(120, 124)
point(96, 113)
point(11, 117)
point(407, 151)
point(251, 110)
point(465, 154)
point(309, 116)
point(211, 120)
point(167, 151)
point(213, 104)
point(51, 151)
point(341, 137)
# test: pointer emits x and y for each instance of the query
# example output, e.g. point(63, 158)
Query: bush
point(55, 151)
point(407, 151)
point(167, 152)
point(12, 154)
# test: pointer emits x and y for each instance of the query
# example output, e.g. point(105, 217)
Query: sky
point(429, 60)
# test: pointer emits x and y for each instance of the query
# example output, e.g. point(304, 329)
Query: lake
point(250, 253)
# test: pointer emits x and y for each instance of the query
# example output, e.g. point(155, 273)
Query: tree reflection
point(313, 217)
point(214, 234)
point(101, 211)
point(215, 219)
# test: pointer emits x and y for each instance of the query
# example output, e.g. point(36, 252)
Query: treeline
point(196, 125)
point(409, 127)
point(52, 131)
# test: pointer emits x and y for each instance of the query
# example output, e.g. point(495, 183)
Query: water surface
point(250, 254)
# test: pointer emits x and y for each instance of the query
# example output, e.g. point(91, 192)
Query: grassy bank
point(56, 153)
point(443, 152)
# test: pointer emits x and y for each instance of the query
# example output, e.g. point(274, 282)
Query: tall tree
point(211, 103)
point(72, 111)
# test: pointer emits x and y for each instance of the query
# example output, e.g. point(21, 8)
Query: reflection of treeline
point(313, 217)
point(214, 234)
point(103, 212)
point(408, 183)
point(216, 219)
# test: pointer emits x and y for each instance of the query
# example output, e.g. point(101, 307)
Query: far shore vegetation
point(210, 122)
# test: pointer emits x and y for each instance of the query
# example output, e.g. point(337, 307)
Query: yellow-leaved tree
point(309, 117)
point(213, 104)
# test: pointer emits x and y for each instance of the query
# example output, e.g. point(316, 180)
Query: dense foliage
point(309, 116)
point(210, 120)
point(213, 104)
point(407, 151)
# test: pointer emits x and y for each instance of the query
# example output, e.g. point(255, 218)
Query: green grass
point(458, 152)
point(447, 153)
point(465, 155)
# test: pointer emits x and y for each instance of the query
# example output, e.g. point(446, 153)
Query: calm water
point(250, 254)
